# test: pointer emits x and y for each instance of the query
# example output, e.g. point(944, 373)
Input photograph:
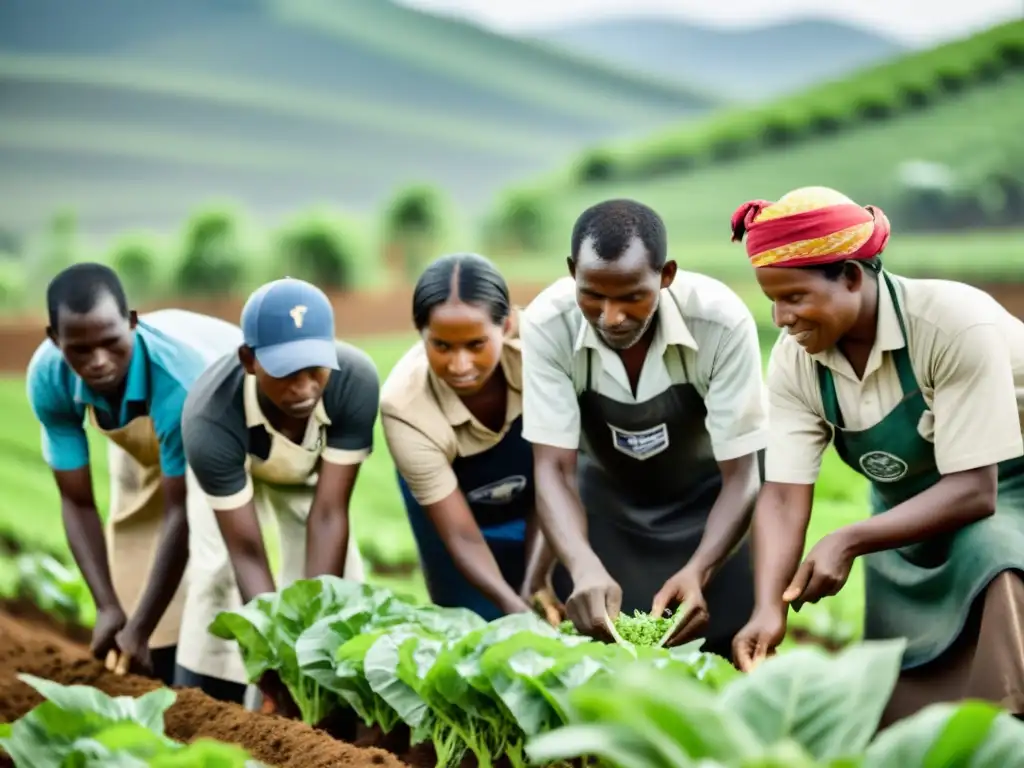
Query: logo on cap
point(297, 313)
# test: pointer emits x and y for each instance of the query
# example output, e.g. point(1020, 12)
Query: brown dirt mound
point(29, 646)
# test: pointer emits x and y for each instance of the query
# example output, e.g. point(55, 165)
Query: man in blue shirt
point(128, 376)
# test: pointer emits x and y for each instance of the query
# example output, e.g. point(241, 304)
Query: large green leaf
point(831, 705)
point(974, 734)
point(72, 717)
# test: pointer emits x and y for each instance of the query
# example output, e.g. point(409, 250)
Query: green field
point(30, 513)
point(921, 82)
point(354, 102)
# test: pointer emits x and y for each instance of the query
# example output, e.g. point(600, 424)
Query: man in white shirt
point(644, 401)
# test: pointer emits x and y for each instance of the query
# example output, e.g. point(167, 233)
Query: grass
point(30, 513)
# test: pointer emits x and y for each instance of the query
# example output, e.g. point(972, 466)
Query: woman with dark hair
point(452, 416)
point(919, 385)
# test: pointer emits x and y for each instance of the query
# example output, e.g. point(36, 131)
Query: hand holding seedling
point(823, 572)
point(132, 654)
point(686, 589)
point(759, 637)
point(109, 621)
point(596, 597)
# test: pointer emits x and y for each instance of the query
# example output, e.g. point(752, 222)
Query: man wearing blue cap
point(277, 430)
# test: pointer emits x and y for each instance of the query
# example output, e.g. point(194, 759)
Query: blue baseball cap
point(289, 324)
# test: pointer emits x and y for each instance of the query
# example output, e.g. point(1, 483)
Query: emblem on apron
point(883, 466)
point(640, 445)
point(499, 492)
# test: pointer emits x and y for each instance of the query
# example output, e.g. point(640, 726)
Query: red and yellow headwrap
point(811, 225)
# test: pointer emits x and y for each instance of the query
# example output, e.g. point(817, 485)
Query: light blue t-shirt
point(172, 347)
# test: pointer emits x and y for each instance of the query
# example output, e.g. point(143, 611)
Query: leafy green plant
point(80, 726)
point(798, 710)
point(55, 588)
point(323, 248)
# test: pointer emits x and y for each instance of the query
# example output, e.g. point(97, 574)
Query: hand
point(595, 598)
point(109, 621)
point(823, 572)
point(546, 604)
point(760, 637)
point(277, 699)
point(684, 588)
point(134, 652)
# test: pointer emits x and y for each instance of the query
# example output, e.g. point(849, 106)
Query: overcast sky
point(916, 22)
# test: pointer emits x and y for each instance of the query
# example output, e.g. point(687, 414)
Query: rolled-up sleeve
point(975, 406)
point(797, 435)
point(551, 413)
point(736, 402)
point(420, 461)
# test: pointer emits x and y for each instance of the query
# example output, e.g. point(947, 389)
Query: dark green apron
point(924, 591)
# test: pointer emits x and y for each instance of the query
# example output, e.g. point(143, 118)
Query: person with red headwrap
point(919, 385)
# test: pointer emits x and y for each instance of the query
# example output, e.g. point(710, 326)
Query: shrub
point(414, 225)
point(596, 166)
point(521, 221)
point(212, 259)
point(12, 282)
point(135, 257)
point(323, 248)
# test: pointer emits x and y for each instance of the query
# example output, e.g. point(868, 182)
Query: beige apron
point(283, 488)
point(136, 519)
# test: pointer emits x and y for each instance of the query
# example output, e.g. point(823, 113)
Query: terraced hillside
point(964, 126)
point(132, 112)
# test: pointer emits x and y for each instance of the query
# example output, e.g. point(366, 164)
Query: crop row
point(519, 689)
point(903, 86)
point(78, 725)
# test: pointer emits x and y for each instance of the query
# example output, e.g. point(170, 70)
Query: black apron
point(498, 487)
point(648, 479)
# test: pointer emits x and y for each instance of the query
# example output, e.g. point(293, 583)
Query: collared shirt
point(967, 353)
point(427, 426)
point(704, 335)
point(171, 349)
point(224, 427)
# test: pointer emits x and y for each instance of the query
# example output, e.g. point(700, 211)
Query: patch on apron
point(640, 445)
point(499, 492)
point(883, 466)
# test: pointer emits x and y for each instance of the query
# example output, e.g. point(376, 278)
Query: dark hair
point(611, 226)
point(837, 269)
point(467, 277)
point(79, 287)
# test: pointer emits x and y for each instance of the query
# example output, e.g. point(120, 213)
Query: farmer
point(277, 428)
point(643, 386)
point(919, 385)
point(128, 377)
point(452, 416)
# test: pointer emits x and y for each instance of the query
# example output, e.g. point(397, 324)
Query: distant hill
point(749, 64)
point(134, 112)
point(933, 137)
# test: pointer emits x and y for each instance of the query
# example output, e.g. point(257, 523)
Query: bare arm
point(957, 500)
point(560, 510)
point(729, 519)
point(84, 531)
point(327, 530)
point(781, 516)
point(540, 558)
point(169, 562)
point(465, 543)
point(241, 531)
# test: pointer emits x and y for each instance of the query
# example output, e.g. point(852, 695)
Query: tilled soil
point(28, 645)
